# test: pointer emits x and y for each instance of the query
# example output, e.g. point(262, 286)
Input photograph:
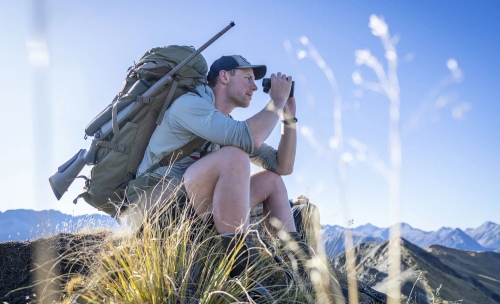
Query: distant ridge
point(484, 238)
point(26, 224)
point(488, 235)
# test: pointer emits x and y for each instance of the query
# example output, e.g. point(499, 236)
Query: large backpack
point(119, 155)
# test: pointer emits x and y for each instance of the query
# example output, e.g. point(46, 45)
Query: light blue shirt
point(192, 116)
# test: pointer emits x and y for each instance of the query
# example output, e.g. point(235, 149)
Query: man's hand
point(281, 86)
point(262, 124)
point(299, 200)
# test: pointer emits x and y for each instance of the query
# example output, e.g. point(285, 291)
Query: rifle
point(68, 172)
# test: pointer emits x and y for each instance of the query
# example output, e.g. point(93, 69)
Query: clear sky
point(63, 62)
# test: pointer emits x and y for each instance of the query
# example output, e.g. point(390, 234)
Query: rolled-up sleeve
point(265, 157)
point(200, 117)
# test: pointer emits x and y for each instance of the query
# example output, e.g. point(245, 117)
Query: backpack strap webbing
point(175, 155)
point(114, 146)
point(170, 95)
point(168, 99)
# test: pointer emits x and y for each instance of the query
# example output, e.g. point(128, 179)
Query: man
point(217, 178)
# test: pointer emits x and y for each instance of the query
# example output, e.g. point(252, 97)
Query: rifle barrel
point(135, 106)
point(159, 84)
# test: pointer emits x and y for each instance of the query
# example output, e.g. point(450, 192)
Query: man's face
point(241, 86)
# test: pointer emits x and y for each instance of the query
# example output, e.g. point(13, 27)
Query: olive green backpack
point(119, 155)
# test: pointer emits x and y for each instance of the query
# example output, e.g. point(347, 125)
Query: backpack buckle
point(120, 148)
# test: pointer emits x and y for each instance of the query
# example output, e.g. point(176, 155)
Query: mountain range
point(483, 238)
point(23, 224)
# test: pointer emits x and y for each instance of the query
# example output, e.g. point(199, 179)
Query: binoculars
point(266, 85)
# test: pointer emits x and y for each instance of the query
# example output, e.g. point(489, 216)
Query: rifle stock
point(67, 172)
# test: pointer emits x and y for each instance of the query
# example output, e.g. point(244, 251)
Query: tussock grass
point(177, 258)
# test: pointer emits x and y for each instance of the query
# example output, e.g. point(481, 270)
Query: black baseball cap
point(228, 63)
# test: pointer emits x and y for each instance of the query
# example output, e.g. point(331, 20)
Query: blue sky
point(448, 66)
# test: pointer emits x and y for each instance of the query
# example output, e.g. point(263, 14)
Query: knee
point(276, 184)
point(236, 159)
point(276, 180)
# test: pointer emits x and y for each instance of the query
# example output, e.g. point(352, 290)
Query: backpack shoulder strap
point(168, 100)
point(174, 156)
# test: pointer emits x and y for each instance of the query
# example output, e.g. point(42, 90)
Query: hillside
point(481, 268)
point(440, 272)
point(471, 273)
point(66, 256)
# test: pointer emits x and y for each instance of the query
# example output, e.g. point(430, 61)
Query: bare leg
point(221, 180)
point(267, 187)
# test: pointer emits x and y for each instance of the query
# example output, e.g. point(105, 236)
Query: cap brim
point(259, 71)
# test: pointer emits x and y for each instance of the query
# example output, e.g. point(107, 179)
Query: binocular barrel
point(266, 85)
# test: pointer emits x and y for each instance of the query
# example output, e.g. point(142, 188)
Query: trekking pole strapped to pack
point(122, 130)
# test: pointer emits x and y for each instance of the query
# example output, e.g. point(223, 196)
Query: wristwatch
point(290, 121)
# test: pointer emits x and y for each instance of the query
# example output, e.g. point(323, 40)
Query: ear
point(224, 77)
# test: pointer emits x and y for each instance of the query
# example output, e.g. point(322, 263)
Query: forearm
point(262, 124)
point(287, 149)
